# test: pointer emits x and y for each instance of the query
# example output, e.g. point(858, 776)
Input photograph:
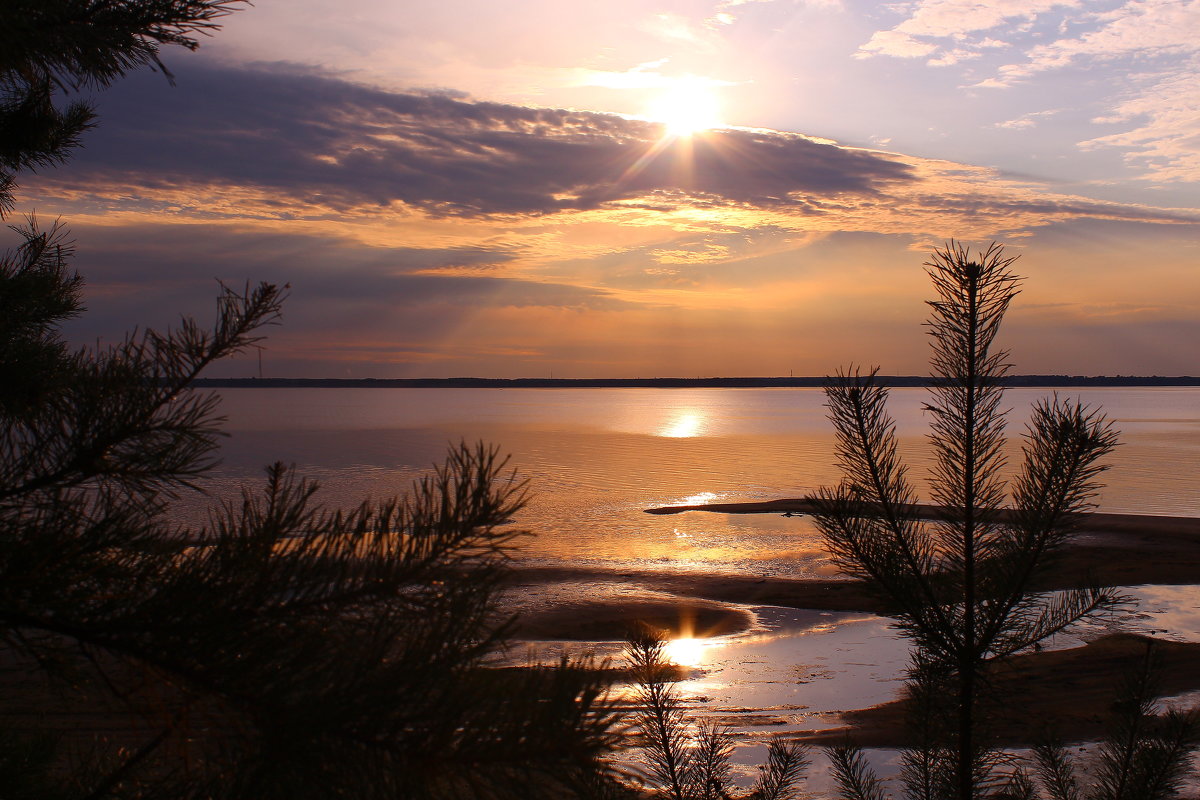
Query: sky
point(651, 188)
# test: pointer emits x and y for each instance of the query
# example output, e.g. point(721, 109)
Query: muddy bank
point(613, 621)
point(1112, 549)
point(1073, 688)
point(608, 620)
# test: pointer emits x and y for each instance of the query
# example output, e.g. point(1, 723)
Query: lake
point(596, 458)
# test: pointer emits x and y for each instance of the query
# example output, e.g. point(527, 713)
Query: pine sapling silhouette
point(283, 650)
point(688, 759)
point(962, 583)
point(1145, 755)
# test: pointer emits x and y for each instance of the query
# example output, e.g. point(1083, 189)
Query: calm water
point(597, 457)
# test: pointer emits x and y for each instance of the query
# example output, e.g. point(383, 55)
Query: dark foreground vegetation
point(290, 651)
point(284, 650)
point(961, 580)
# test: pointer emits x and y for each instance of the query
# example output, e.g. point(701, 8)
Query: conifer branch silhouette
point(962, 583)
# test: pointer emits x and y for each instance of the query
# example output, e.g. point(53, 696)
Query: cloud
point(1150, 27)
point(1160, 42)
point(348, 302)
point(374, 199)
point(1026, 121)
point(645, 76)
point(740, 299)
point(953, 20)
point(1154, 43)
point(679, 29)
point(280, 145)
point(895, 43)
point(322, 268)
point(1135, 27)
point(1166, 143)
point(312, 139)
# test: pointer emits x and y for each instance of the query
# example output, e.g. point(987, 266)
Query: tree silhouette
point(690, 760)
point(1144, 755)
point(282, 650)
point(51, 46)
point(961, 582)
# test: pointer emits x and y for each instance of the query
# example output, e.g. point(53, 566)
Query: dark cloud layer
point(309, 137)
point(167, 252)
point(147, 275)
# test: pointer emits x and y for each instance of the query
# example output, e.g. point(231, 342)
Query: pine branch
point(49, 47)
point(1055, 771)
point(854, 776)
point(128, 418)
point(779, 776)
point(662, 721)
point(711, 760)
point(885, 545)
point(1063, 447)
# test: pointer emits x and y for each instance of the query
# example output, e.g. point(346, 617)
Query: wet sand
point(1074, 689)
point(1113, 549)
point(612, 620)
point(1072, 686)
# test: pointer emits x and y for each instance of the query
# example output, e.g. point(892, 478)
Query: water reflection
point(799, 668)
point(687, 651)
point(683, 426)
point(596, 458)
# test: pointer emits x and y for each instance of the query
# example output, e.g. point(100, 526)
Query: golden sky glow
point(713, 188)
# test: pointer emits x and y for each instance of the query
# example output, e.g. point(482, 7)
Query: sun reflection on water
point(683, 426)
point(686, 651)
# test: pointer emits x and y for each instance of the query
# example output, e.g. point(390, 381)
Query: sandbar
point(1074, 687)
point(1067, 694)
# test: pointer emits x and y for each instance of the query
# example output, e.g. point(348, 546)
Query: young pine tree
point(1144, 756)
point(686, 759)
point(961, 577)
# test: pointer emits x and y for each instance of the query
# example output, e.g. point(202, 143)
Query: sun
point(686, 107)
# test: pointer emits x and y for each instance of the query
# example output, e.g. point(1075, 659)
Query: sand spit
point(1074, 687)
point(1112, 549)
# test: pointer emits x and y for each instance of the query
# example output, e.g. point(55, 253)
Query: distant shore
point(1014, 381)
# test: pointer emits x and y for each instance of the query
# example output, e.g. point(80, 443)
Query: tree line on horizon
point(287, 650)
point(1009, 381)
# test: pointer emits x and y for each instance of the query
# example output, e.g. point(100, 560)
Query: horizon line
point(1012, 381)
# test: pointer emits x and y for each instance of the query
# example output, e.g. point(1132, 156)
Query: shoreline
point(1074, 686)
point(1064, 693)
point(1111, 549)
point(761, 382)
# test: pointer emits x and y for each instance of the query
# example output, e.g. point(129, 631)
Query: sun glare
point(686, 652)
point(686, 108)
point(683, 426)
